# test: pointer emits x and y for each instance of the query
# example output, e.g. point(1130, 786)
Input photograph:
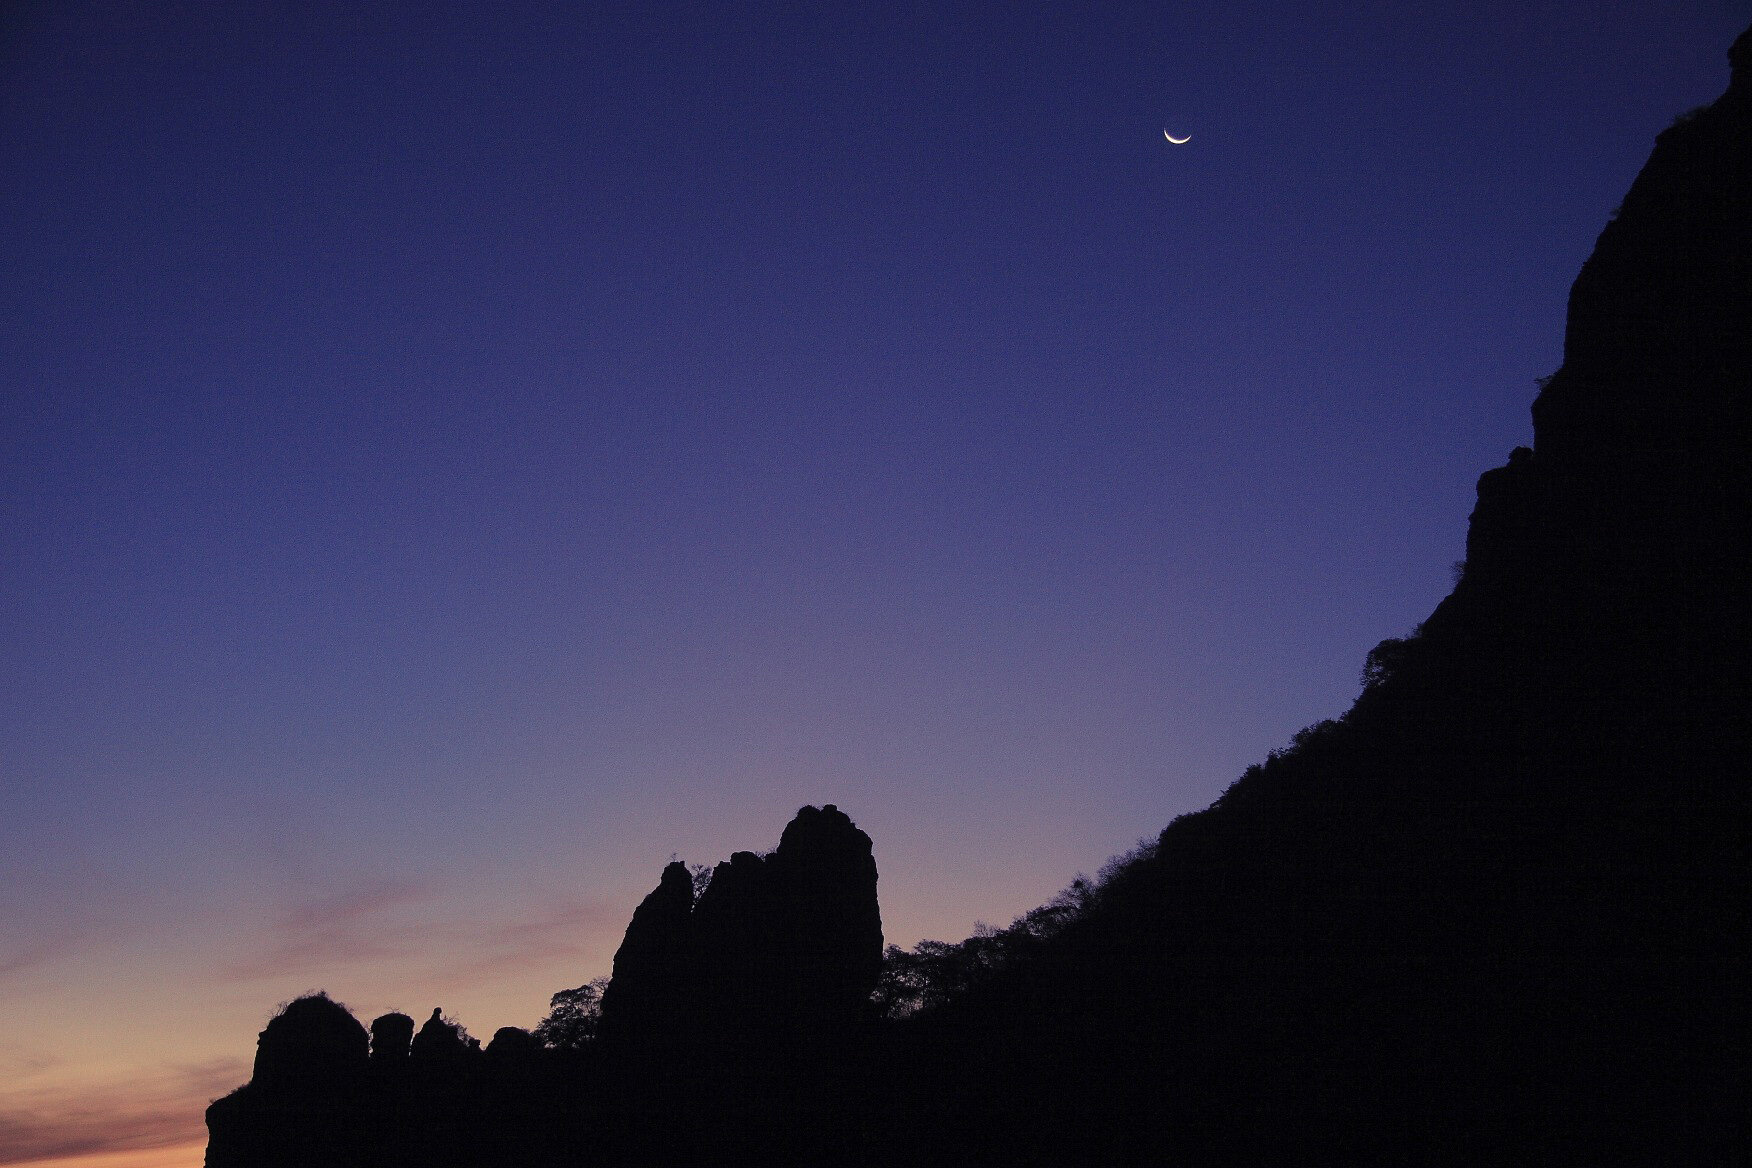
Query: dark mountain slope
point(1498, 911)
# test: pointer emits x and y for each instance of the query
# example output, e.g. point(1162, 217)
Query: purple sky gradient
point(456, 456)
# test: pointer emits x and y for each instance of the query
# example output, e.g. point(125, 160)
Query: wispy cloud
point(343, 928)
point(350, 905)
point(20, 1062)
point(369, 924)
point(27, 957)
point(570, 929)
point(568, 924)
point(157, 1110)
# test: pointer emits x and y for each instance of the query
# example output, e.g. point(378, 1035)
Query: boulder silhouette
point(391, 1036)
point(314, 1045)
point(305, 1103)
point(512, 1045)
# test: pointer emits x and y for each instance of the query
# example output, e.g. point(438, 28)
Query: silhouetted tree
point(572, 1016)
point(702, 878)
point(1385, 659)
point(935, 972)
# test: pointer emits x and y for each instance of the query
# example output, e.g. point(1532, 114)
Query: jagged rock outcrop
point(440, 1043)
point(651, 968)
point(318, 1098)
point(782, 943)
point(780, 952)
point(827, 944)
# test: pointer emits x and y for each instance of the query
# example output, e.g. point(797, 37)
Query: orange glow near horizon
point(177, 1156)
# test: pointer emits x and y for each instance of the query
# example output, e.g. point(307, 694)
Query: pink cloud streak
point(159, 1110)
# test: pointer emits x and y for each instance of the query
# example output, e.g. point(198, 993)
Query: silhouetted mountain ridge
point(1495, 912)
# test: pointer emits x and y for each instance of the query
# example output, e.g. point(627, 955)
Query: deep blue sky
point(457, 455)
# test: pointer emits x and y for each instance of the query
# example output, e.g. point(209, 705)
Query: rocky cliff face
point(787, 941)
point(1498, 910)
point(1626, 526)
point(1658, 340)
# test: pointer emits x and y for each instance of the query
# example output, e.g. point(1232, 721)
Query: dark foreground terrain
point(1497, 912)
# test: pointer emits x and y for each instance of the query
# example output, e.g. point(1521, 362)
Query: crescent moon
point(1176, 141)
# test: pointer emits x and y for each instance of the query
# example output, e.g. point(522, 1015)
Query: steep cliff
point(1623, 531)
point(1498, 911)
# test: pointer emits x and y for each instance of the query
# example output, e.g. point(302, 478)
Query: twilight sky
point(457, 455)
